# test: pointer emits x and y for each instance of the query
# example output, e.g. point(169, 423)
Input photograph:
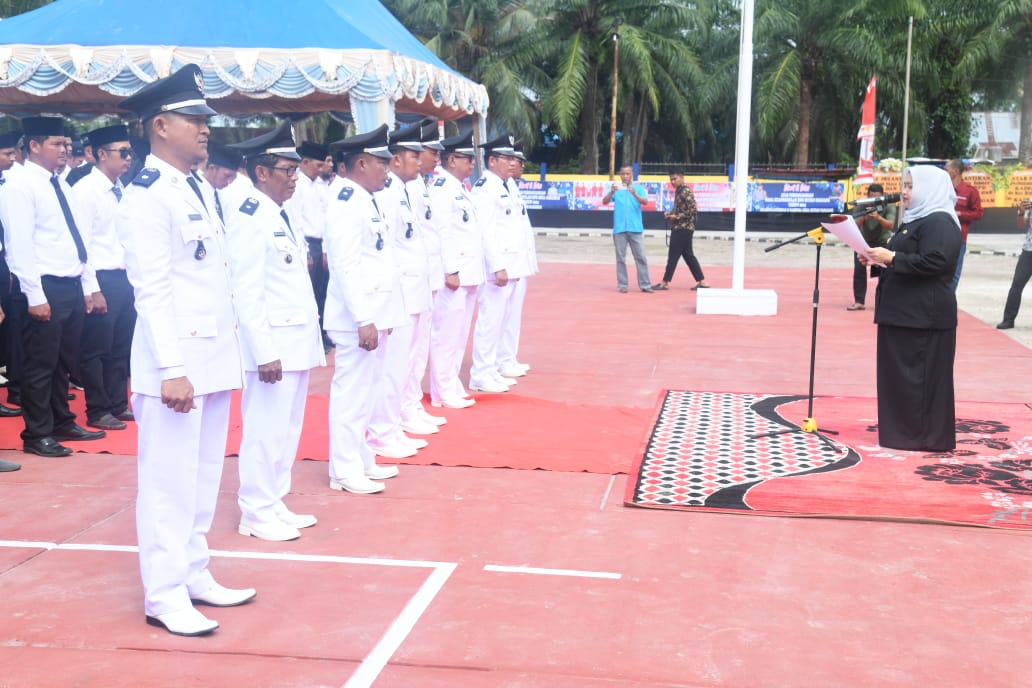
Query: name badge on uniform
point(195, 217)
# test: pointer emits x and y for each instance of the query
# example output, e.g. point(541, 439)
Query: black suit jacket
point(917, 291)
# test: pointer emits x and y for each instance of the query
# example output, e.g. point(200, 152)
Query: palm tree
point(655, 63)
point(814, 57)
point(485, 40)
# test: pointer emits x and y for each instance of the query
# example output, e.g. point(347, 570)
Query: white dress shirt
point(97, 209)
point(37, 236)
point(307, 207)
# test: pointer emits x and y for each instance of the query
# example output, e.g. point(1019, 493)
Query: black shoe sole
point(48, 455)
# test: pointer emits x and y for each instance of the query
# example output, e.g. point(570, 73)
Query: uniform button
point(193, 333)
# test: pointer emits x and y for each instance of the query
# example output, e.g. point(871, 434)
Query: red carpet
point(703, 455)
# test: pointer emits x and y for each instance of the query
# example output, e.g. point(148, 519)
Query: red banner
point(865, 169)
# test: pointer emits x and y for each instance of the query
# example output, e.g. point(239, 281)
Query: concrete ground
point(986, 278)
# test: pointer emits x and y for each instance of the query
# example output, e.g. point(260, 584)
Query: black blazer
point(917, 291)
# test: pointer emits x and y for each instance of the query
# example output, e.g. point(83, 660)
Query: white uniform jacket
point(504, 240)
point(427, 223)
point(409, 249)
point(275, 302)
point(176, 261)
point(364, 287)
point(462, 244)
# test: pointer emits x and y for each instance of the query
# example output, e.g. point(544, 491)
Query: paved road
point(988, 266)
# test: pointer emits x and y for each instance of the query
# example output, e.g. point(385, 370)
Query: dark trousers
point(104, 348)
point(320, 277)
point(1022, 273)
point(860, 279)
point(5, 294)
point(15, 307)
point(51, 349)
point(681, 247)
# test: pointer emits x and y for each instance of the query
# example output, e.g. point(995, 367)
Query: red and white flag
point(865, 170)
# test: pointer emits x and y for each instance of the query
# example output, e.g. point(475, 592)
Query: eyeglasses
point(125, 153)
point(289, 171)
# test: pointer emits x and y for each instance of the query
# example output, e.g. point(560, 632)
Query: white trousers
point(354, 391)
point(449, 332)
point(273, 414)
point(492, 304)
point(179, 470)
point(509, 345)
point(419, 354)
point(385, 423)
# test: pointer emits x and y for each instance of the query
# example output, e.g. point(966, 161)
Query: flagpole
point(906, 92)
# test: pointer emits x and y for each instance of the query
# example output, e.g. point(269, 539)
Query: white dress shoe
point(507, 381)
point(491, 386)
point(395, 450)
point(296, 520)
point(277, 531)
point(188, 622)
point(356, 485)
point(414, 442)
point(220, 596)
point(378, 472)
point(456, 403)
point(524, 367)
point(428, 418)
point(417, 426)
point(512, 371)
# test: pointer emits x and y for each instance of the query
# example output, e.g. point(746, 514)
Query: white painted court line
point(370, 667)
point(552, 572)
point(376, 660)
point(605, 497)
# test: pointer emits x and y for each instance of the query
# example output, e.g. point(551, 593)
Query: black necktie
point(197, 190)
point(117, 191)
point(218, 205)
point(283, 214)
point(69, 220)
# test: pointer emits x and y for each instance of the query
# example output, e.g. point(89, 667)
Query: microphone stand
point(809, 424)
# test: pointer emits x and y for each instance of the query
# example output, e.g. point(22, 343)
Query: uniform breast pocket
point(196, 326)
point(285, 249)
point(196, 234)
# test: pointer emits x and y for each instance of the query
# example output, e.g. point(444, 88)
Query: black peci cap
point(181, 92)
point(43, 126)
point(279, 141)
point(222, 156)
point(98, 138)
point(313, 150)
point(10, 139)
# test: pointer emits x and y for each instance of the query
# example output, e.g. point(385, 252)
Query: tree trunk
point(628, 149)
point(805, 98)
point(641, 131)
point(590, 122)
point(1025, 138)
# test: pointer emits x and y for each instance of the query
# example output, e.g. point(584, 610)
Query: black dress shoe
point(8, 412)
point(8, 466)
point(126, 416)
point(71, 395)
point(77, 433)
point(14, 398)
point(46, 446)
point(1006, 325)
point(106, 422)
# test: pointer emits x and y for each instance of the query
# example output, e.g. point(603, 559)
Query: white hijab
point(932, 193)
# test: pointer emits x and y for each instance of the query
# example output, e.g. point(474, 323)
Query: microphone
point(876, 201)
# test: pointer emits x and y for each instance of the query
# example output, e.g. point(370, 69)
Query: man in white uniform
point(185, 356)
point(413, 416)
point(462, 252)
point(107, 332)
point(220, 170)
point(509, 345)
point(282, 343)
point(506, 262)
point(363, 305)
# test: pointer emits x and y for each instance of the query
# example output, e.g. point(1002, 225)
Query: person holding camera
point(628, 229)
point(877, 229)
point(1022, 271)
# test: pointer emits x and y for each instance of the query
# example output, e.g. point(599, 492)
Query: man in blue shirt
point(628, 198)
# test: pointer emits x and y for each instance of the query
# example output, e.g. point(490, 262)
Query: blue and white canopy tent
point(84, 56)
